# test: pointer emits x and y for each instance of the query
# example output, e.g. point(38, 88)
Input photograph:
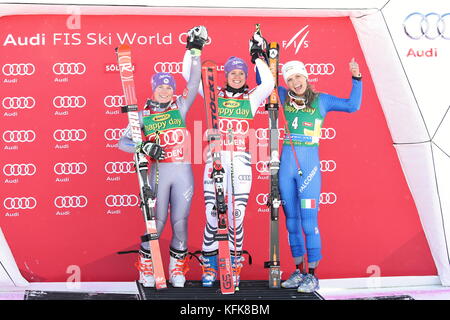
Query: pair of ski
point(147, 195)
point(209, 78)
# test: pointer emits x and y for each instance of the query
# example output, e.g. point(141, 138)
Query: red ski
point(209, 80)
point(148, 196)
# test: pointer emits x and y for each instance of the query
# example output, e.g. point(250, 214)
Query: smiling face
point(236, 78)
point(297, 83)
point(163, 93)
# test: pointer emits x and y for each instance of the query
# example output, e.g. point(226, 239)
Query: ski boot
point(178, 268)
point(145, 267)
point(309, 284)
point(294, 280)
point(236, 265)
point(209, 267)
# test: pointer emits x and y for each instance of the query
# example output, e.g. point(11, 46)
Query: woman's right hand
point(197, 37)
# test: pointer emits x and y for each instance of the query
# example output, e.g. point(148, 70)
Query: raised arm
point(353, 103)
point(192, 61)
point(266, 83)
point(263, 90)
point(197, 38)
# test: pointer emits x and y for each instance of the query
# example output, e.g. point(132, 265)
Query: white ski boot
point(178, 268)
point(145, 267)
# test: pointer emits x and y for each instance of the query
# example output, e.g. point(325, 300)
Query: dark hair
point(310, 94)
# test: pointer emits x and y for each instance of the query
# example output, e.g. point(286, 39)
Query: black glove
point(258, 47)
point(197, 38)
point(153, 150)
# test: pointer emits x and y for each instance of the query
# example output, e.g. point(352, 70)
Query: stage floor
point(417, 288)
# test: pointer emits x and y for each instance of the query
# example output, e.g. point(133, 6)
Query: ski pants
point(300, 198)
point(238, 176)
point(175, 190)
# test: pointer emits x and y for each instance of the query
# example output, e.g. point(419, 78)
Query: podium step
point(248, 290)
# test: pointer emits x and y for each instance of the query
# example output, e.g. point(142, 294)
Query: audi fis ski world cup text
point(94, 39)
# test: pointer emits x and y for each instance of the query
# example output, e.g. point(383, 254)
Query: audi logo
point(70, 168)
point(69, 102)
point(113, 134)
point(120, 167)
point(237, 126)
point(171, 67)
point(328, 198)
point(431, 26)
point(121, 200)
point(263, 133)
point(70, 135)
point(19, 136)
point(172, 137)
point(114, 101)
point(318, 69)
point(72, 68)
point(327, 133)
point(70, 202)
point(18, 102)
point(327, 165)
point(262, 198)
point(18, 69)
point(19, 169)
point(19, 203)
point(262, 167)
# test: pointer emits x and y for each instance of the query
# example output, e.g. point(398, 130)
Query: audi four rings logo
point(19, 203)
point(121, 200)
point(18, 69)
point(262, 167)
point(327, 165)
point(318, 69)
point(19, 169)
point(70, 168)
point(328, 198)
point(71, 68)
point(327, 133)
point(114, 101)
point(18, 102)
point(238, 126)
point(262, 198)
point(171, 67)
point(120, 167)
point(70, 202)
point(325, 198)
point(70, 135)
point(69, 102)
point(263, 133)
point(19, 136)
point(113, 134)
point(172, 137)
point(431, 25)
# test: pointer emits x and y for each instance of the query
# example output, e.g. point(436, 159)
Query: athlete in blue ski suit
point(305, 111)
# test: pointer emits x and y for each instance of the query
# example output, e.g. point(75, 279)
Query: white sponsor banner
point(421, 33)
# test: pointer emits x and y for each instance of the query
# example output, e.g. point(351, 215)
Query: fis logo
point(298, 40)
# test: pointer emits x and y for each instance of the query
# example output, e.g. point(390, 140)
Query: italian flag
point(308, 203)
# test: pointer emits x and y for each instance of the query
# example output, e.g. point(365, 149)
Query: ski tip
point(208, 63)
point(123, 47)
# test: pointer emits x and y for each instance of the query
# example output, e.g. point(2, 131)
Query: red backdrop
point(56, 79)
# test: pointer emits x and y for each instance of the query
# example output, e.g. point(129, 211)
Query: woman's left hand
point(354, 68)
